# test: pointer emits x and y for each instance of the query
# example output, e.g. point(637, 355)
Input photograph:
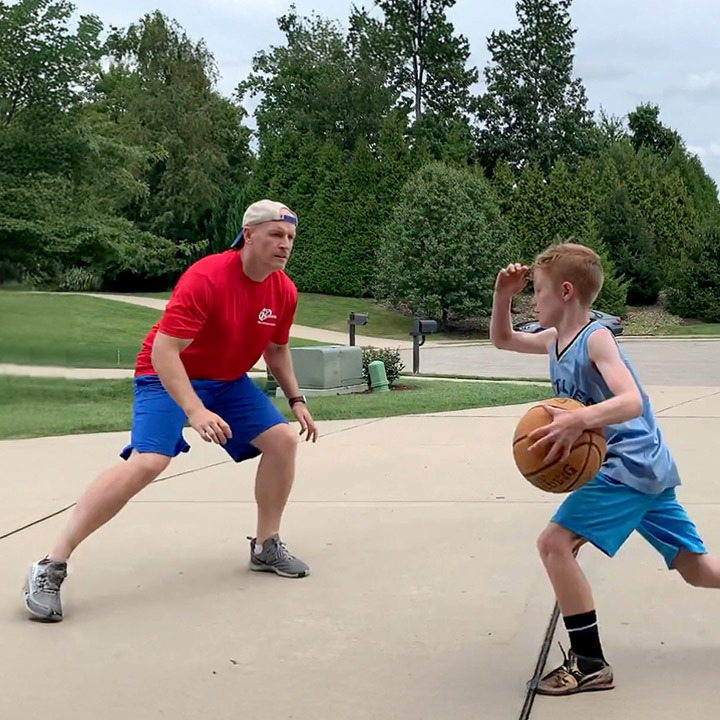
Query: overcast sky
point(627, 51)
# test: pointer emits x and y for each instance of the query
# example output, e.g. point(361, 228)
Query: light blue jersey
point(637, 455)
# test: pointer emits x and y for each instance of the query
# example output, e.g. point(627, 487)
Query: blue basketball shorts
point(158, 421)
point(605, 512)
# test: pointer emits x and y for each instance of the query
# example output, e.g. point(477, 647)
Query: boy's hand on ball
point(511, 280)
point(558, 436)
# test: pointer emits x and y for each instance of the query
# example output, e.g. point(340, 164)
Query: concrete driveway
point(427, 599)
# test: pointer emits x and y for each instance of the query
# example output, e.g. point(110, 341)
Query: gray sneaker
point(42, 589)
point(275, 558)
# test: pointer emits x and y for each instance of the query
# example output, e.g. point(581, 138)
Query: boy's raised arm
point(511, 281)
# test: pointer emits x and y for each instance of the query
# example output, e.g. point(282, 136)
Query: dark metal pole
point(352, 328)
point(416, 345)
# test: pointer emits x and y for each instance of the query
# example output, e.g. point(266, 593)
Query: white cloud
point(711, 150)
point(702, 82)
point(699, 86)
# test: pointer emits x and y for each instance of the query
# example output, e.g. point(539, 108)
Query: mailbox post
point(353, 320)
point(420, 329)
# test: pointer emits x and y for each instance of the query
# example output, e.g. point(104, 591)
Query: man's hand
point(559, 436)
point(511, 280)
point(210, 427)
point(307, 424)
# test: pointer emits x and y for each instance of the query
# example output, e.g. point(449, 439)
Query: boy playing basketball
point(635, 488)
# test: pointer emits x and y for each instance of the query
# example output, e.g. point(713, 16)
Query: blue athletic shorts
point(158, 421)
point(605, 512)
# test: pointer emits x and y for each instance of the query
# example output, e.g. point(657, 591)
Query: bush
point(390, 358)
point(442, 248)
point(695, 289)
point(632, 246)
point(78, 279)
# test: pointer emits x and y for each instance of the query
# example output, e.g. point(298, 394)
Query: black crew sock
point(584, 636)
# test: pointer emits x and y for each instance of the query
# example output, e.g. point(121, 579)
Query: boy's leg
point(603, 513)
point(156, 437)
point(702, 571)
point(258, 428)
point(557, 547)
point(667, 527)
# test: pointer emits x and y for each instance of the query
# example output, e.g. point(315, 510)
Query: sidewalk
point(298, 331)
point(427, 599)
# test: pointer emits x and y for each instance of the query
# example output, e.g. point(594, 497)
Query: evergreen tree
point(533, 110)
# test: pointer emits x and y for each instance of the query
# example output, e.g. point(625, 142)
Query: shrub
point(78, 279)
point(695, 289)
point(442, 248)
point(390, 358)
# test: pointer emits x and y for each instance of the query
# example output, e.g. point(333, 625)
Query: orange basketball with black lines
point(586, 456)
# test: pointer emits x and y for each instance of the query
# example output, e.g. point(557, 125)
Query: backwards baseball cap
point(264, 211)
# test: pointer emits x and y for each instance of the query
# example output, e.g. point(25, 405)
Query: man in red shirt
point(226, 311)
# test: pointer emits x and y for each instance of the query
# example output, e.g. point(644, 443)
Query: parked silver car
point(612, 322)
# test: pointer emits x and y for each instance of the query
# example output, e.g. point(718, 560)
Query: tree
point(319, 83)
point(647, 130)
point(43, 67)
point(660, 197)
point(527, 210)
point(442, 247)
point(428, 61)
point(159, 90)
point(695, 286)
point(573, 198)
point(533, 109)
point(625, 233)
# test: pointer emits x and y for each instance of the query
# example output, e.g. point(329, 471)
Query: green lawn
point(331, 313)
point(698, 329)
point(39, 407)
point(74, 331)
point(71, 330)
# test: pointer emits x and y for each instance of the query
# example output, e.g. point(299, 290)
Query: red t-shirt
point(230, 318)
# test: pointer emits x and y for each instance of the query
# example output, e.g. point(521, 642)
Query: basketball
point(584, 461)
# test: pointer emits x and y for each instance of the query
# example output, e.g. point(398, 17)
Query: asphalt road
point(657, 362)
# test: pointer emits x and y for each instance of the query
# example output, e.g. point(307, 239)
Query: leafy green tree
point(442, 247)
point(319, 83)
point(43, 66)
point(160, 91)
point(623, 230)
point(533, 110)
point(647, 130)
point(428, 60)
point(44, 69)
point(528, 211)
point(695, 285)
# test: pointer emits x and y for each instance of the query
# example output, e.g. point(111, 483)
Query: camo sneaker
point(569, 679)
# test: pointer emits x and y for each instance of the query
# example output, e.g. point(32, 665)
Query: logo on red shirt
point(267, 317)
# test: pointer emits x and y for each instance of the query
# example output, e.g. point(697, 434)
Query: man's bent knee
point(147, 466)
point(556, 540)
point(277, 440)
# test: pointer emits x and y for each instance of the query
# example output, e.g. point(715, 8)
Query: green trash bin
point(378, 376)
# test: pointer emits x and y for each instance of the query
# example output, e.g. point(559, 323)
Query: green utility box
point(328, 369)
